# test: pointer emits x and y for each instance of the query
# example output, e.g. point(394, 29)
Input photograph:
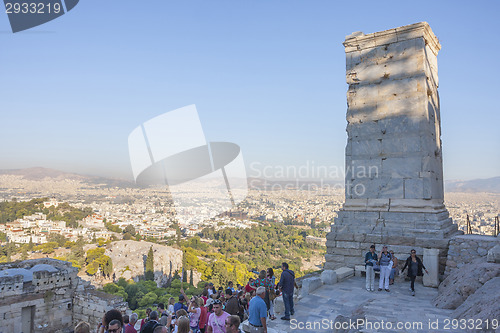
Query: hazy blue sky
point(268, 75)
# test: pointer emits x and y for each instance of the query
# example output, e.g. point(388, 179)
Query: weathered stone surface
point(279, 306)
point(132, 254)
point(343, 324)
point(464, 249)
point(309, 285)
point(482, 306)
point(329, 277)
point(431, 263)
point(394, 182)
point(494, 254)
point(462, 283)
point(344, 273)
point(58, 297)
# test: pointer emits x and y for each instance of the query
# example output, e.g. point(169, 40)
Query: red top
point(142, 323)
point(203, 317)
point(248, 289)
point(130, 329)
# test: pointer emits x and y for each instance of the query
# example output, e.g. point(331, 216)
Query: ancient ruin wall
point(464, 249)
point(49, 293)
point(91, 305)
point(54, 295)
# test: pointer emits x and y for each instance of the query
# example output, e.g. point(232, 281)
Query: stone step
point(343, 273)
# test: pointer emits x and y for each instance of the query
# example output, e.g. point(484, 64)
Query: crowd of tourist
point(215, 310)
point(387, 263)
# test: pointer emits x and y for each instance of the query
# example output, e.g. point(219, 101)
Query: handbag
point(272, 294)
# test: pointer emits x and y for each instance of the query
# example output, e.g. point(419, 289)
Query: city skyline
point(267, 76)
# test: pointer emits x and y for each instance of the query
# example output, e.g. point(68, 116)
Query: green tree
point(122, 282)
point(46, 248)
point(129, 229)
point(111, 227)
point(148, 299)
point(150, 275)
point(114, 289)
point(127, 236)
point(58, 238)
point(96, 259)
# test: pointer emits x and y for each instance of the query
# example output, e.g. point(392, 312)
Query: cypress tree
point(150, 275)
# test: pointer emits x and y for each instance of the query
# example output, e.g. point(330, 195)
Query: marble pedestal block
point(431, 263)
point(394, 174)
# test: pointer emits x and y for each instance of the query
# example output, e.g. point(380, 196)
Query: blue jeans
point(391, 275)
point(288, 300)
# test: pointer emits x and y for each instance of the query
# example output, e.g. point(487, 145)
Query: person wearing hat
point(370, 259)
point(385, 262)
point(180, 305)
point(210, 289)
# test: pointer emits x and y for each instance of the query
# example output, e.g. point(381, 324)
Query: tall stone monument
point(394, 170)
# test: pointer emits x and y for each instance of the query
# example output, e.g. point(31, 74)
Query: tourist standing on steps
point(385, 262)
point(370, 259)
point(286, 285)
point(415, 266)
point(394, 267)
point(258, 312)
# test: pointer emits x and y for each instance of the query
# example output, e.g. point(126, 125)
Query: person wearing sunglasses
point(115, 326)
point(109, 317)
point(217, 319)
point(233, 324)
point(415, 266)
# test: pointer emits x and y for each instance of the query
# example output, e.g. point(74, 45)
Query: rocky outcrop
point(494, 254)
point(462, 283)
point(129, 262)
point(129, 259)
point(465, 249)
point(482, 306)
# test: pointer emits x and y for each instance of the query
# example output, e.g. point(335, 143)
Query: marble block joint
point(394, 168)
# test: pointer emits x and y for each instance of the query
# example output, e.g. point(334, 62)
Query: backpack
point(149, 327)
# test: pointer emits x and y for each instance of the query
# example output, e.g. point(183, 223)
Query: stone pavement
point(384, 310)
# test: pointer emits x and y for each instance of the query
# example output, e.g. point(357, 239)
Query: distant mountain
point(39, 173)
point(491, 185)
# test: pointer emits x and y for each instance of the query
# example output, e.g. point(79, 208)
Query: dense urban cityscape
point(151, 213)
